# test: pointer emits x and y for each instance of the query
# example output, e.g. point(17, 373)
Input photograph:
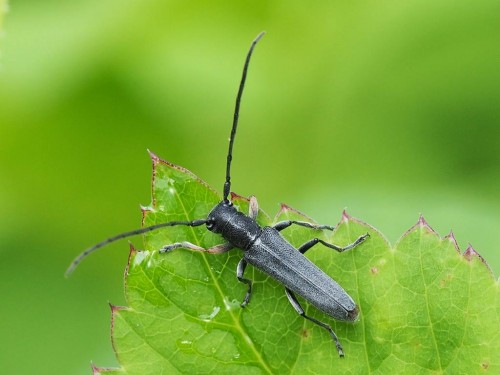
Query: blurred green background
point(389, 109)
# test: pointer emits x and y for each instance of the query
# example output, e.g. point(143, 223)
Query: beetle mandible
point(264, 247)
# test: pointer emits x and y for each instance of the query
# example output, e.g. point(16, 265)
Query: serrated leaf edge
point(469, 254)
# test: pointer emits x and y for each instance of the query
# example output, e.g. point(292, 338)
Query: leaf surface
point(424, 307)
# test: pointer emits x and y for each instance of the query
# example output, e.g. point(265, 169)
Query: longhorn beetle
point(263, 247)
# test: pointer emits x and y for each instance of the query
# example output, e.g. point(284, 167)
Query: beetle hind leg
point(340, 249)
point(296, 305)
point(240, 270)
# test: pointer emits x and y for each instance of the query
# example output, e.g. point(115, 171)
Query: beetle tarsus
point(296, 305)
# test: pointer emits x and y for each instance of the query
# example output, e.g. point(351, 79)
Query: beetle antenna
point(90, 250)
point(227, 184)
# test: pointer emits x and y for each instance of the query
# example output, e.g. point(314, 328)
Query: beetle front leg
point(218, 249)
point(296, 305)
point(240, 270)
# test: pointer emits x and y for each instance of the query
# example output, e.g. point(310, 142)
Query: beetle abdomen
point(272, 254)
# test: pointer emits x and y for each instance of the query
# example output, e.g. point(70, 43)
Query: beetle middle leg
point(296, 305)
point(279, 226)
point(286, 223)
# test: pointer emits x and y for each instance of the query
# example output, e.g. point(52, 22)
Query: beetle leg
point(253, 208)
point(286, 223)
point(340, 249)
point(240, 270)
point(218, 249)
point(296, 305)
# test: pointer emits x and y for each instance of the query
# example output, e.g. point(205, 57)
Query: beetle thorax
point(237, 228)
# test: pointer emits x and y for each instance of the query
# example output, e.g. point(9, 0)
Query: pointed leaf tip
point(470, 253)
point(95, 370)
point(153, 156)
point(424, 224)
point(115, 308)
point(101, 370)
point(421, 221)
point(235, 196)
point(282, 211)
point(451, 238)
point(131, 255)
point(345, 216)
point(284, 207)
point(131, 248)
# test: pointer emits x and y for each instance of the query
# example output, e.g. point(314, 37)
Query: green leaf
point(424, 307)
